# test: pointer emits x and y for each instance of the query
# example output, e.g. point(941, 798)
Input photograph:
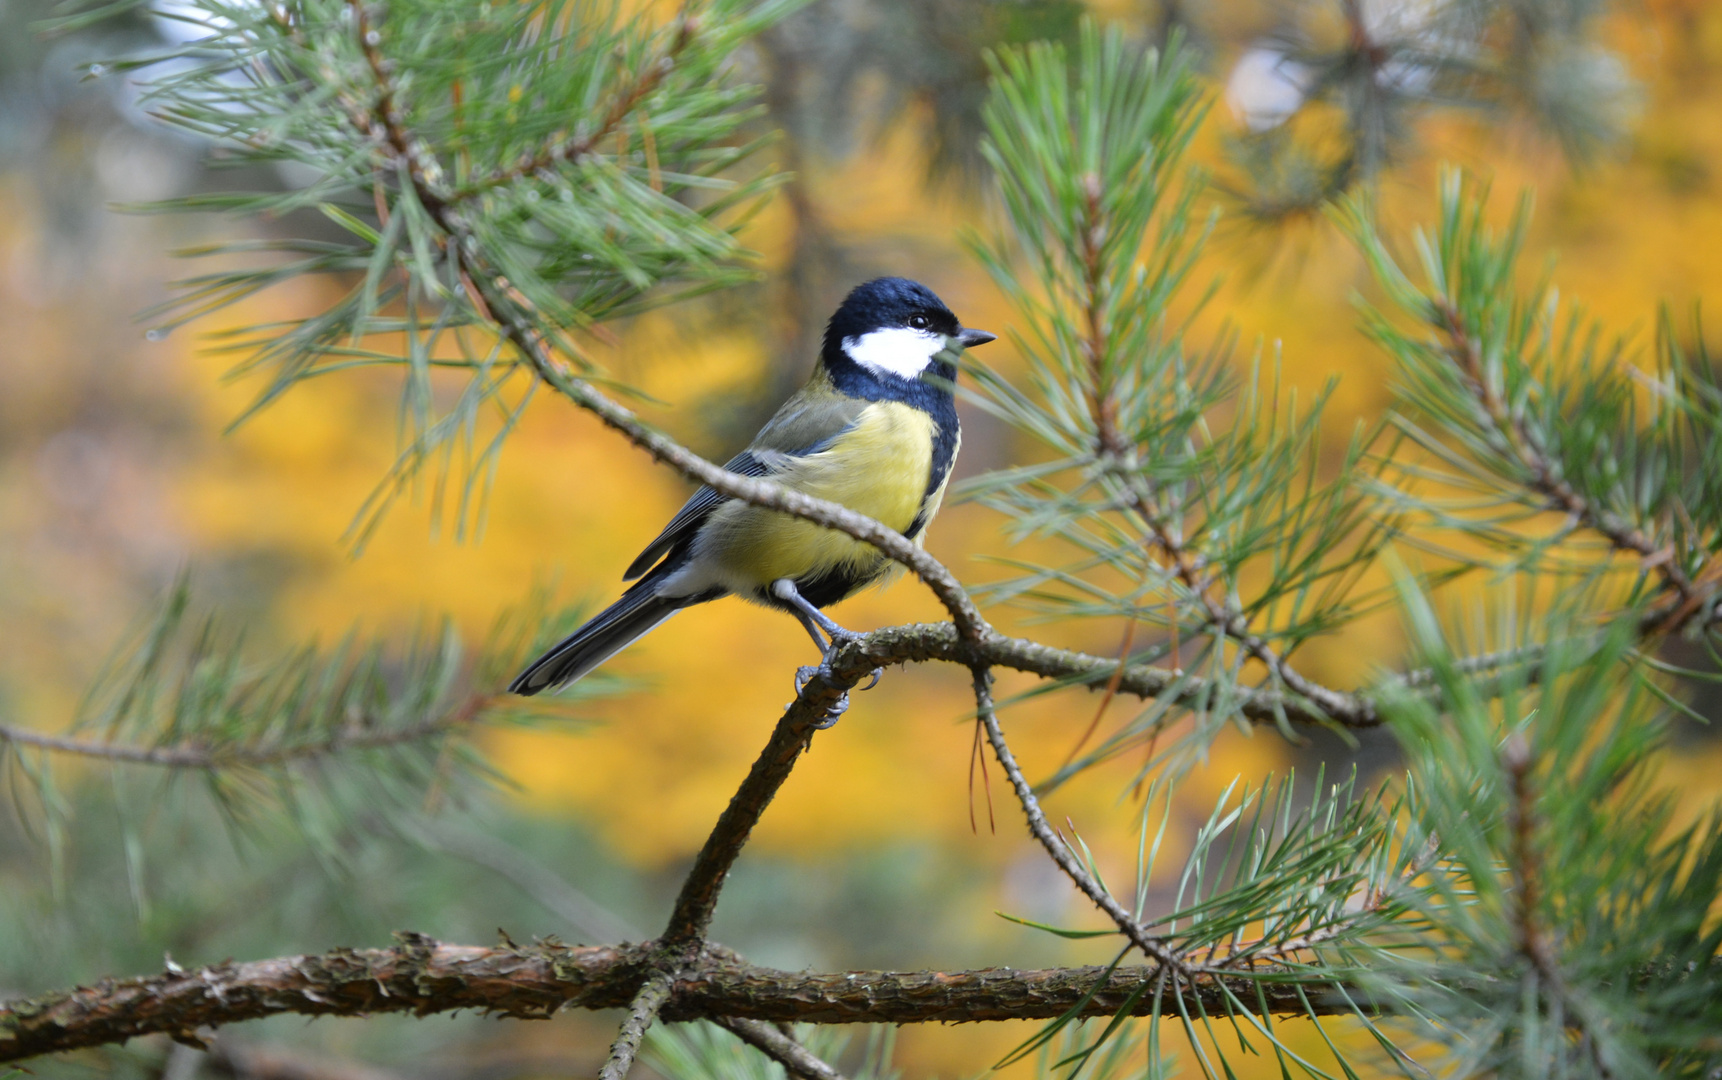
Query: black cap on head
point(886, 302)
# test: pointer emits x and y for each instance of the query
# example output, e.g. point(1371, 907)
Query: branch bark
point(422, 976)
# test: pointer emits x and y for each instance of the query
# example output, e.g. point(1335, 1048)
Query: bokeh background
point(116, 476)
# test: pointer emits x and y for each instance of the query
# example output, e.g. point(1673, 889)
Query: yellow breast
point(878, 467)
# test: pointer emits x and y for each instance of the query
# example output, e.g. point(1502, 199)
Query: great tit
point(875, 430)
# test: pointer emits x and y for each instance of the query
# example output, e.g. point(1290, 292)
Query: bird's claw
point(805, 674)
point(834, 713)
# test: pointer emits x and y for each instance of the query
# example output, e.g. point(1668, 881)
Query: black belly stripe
point(829, 586)
point(944, 456)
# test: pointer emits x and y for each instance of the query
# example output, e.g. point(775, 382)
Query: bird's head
point(896, 328)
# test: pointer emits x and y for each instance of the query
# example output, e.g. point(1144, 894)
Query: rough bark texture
point(422, 976)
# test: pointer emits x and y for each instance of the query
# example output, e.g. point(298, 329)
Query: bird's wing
point(804, 425)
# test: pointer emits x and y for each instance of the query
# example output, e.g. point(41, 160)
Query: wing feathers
point(804, 425)
point(690, 515)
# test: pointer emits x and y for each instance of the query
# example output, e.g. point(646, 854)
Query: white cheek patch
point(898, 350)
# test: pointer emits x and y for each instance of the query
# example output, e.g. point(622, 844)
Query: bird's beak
point(968, 337)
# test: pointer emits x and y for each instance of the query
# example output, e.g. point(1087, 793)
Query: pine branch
point(1524, 860)
point(1114, 449)
point(648, 1001)
point(792, 735)
point(1154, 947)
point(357, 736)
point(939, 641)
point(574, 148)
point(889, 646)
point(1231, 622)
point(683, 945)
point(422, 977)
point(781, 1048)
point(1545, 479)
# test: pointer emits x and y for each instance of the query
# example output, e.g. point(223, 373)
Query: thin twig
point(644, 1009)
point(699, 894)
point(1156, 948)
point(1526, 446)
point(798, 1059)
point(920, 642)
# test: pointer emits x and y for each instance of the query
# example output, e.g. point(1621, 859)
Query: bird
point(874, 429)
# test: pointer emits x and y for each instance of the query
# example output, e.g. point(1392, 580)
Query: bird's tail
point(607, 633)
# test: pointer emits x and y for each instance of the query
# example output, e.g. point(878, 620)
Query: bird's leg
point(813, 621)
point(784, 589)
point(812, 629)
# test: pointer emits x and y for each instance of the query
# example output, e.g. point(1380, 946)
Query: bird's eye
point(920, 322)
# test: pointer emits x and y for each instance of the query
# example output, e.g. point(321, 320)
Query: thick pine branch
point(422, 976)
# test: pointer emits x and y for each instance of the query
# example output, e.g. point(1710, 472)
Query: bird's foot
point(805, 674)
point(841, 635)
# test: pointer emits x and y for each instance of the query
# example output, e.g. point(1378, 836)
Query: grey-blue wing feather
point(688, 518)
point(805, 424)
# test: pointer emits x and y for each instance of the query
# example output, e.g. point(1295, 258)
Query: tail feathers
point(603, 636)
